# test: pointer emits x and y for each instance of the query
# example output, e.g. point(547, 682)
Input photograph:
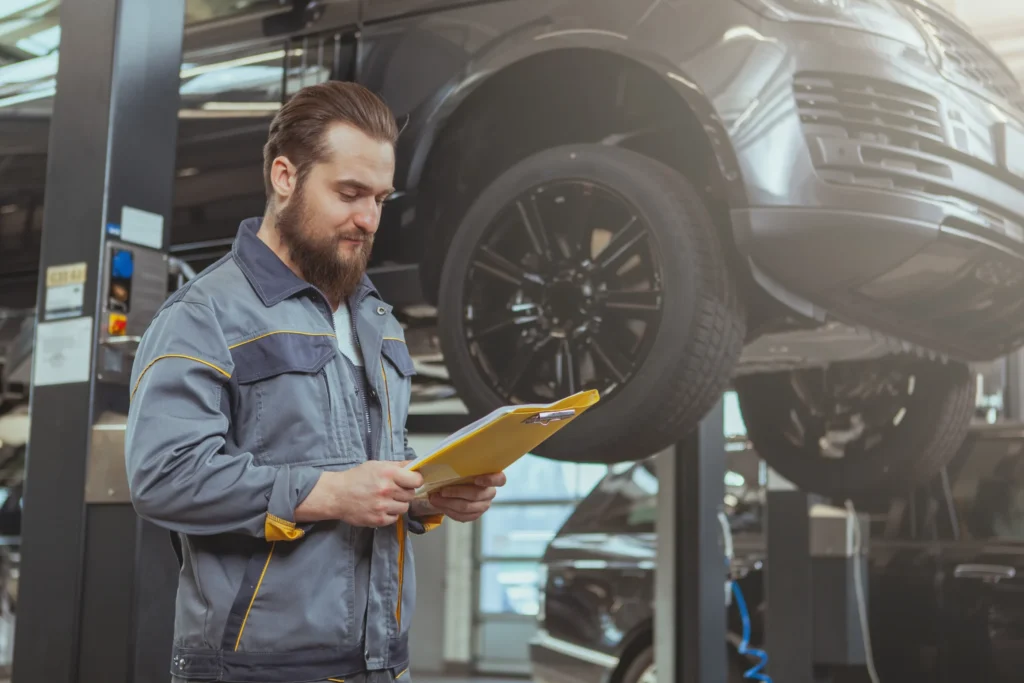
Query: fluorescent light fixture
point(12, 7)
point(241, 61)
point(242, 106)
point(27, 97)
point(41, 43)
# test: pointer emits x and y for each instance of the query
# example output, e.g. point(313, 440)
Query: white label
point(66, 299)
point(142, 227)
point(62, 352)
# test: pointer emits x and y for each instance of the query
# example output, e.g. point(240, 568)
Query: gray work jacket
point(240, 399)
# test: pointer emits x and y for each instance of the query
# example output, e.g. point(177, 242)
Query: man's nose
point(368, 220)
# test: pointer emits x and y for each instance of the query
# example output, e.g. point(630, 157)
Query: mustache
point(358, 236)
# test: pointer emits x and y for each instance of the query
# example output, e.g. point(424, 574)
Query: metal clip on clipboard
point(550, 416)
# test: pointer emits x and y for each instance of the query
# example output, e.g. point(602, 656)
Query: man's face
point(328, 222)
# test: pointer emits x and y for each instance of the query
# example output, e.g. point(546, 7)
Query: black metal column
point(1013, 387)
point(87, 595)
point(690, 616)
point(789, 628)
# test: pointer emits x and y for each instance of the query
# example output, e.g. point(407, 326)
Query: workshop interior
point(783, 240)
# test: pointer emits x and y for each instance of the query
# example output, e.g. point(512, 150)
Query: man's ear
point(284, 177)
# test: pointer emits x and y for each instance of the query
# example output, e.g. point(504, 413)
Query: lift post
point(691, 571)
point(97, 584)
point(813, 558)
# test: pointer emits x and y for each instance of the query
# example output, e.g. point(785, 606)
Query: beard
point(318, 257)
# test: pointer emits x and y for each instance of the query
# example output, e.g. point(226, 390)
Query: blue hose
point(744, 646)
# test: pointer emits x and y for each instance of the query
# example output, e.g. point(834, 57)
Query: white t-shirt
point(346, 335)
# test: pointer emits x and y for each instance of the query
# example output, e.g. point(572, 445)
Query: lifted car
point(822, 200)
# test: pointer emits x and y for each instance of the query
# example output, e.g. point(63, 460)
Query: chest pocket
point(398, 370)
point(285, 395)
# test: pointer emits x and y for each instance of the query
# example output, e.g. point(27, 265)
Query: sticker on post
point(65, 291)
point(142, 227)
point(63, 352)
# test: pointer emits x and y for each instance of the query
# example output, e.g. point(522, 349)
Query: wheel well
point(561, 97)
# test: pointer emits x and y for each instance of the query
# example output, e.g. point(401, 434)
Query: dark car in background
point(825, 199)
point(945, 585)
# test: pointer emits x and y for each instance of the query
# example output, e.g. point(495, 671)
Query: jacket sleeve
point(417, 524)
point(179, 474)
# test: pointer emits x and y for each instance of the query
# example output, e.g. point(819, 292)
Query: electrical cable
point(744, 646)
point(858, 587)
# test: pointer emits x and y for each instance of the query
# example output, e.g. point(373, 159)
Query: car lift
point(812, 619)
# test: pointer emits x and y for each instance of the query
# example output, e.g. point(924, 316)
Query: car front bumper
point(556, 661)
point(885, 185)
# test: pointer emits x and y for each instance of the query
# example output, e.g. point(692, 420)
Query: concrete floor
point(436, 678)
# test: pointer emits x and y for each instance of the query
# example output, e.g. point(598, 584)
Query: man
point(267, 423)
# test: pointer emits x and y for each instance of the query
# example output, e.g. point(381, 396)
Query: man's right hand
point(372, 494)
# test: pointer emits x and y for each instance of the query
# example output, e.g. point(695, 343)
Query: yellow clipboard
point(496, 441)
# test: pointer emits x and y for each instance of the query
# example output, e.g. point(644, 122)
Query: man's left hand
point(467, 502)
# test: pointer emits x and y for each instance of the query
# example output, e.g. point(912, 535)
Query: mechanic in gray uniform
point(267, 424)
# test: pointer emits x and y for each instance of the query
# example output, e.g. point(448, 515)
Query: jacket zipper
point(359, 347)
point(400, 525)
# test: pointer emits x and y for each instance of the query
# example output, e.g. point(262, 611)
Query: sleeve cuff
point(421, 525)
point(291, 487)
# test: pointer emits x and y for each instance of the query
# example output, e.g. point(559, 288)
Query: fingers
point(453, 506)
point(488, 480)
point(469, 492)
point(407, 479)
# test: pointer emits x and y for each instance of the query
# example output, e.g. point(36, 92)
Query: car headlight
point(879, 17)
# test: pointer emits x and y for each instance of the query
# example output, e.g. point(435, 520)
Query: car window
point(625, 501)
point(987, 484)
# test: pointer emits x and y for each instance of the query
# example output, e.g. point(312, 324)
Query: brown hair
point(297, 131)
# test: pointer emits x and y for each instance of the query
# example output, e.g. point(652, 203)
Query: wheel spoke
point(612, 359)
point(490, 261)
point(566, 369)
point(513, 374)
point(535, 228)
point(644, 305)
point(621, 246)
point(479, 329)
point(573, 244)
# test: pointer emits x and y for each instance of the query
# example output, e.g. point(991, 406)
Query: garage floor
point(435, 678)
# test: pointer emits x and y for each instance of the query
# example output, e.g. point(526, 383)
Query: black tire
point(926, 437)
point(700, 329)
point(634, 673)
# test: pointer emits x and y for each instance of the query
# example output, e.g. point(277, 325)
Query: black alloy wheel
point(864, 430)
point(591, 267)
point(563, 293)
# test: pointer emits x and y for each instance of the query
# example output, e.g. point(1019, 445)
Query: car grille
point(968, 61)
point(869, 110)
point(879, 135)
point(876, 134)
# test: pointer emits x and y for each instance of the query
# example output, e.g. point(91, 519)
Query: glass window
point(521, 530)
point(535, 478)
point(734, 424)
point(988, 488)
point(509, 588)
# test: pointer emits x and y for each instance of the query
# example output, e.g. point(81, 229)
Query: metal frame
point(96, 590)
point(480, 558)
point(689, 637)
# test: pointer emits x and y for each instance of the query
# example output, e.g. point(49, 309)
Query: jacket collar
point(271, 279)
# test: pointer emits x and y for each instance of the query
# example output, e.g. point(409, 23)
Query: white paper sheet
point(63, 351)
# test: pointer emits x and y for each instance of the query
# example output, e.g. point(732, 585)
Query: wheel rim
point(846, 410)
point(563, 293)
point(650, 675)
